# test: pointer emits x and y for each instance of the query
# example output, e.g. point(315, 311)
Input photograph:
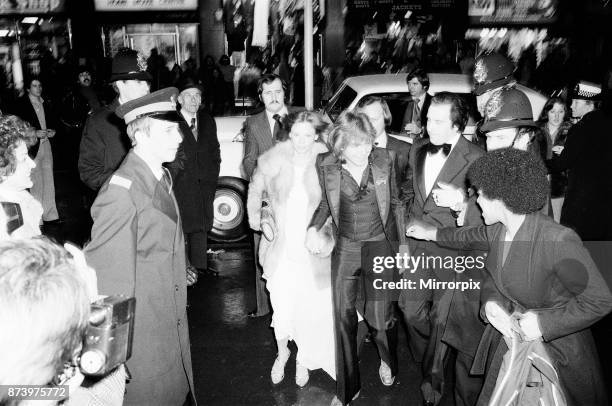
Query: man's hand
point(557, 149)
point(50, 133)
point(500, 319)
point(447, 195)
point(313, 241)
point(530, 327)
point(420, 230)
point(192, 275)
point(413, 129)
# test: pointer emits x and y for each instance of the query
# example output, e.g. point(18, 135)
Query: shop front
point(164, 32)
point(35, 40)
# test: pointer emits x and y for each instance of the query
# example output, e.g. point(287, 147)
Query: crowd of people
point(521, 202)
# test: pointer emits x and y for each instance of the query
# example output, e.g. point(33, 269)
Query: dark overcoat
point(137, 249)
point(587, 157)
point(103, 146)
point(548, 271)
point(195, 172)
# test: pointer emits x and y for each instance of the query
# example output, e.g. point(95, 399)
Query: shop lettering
point(117, 2)
point(30, 5)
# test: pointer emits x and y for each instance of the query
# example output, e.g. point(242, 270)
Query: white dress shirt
point(381, 140)
point(434, 164)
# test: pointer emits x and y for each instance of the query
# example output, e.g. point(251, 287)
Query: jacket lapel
point(332, 189)
point(380, 174)
point(454, 164)
point(420, 171)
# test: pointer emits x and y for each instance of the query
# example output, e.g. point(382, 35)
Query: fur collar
point(281, 155)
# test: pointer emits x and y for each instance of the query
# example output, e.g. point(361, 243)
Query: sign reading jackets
point(31, 6)
point(145, 5)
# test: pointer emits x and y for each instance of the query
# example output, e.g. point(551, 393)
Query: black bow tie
point(434, 149)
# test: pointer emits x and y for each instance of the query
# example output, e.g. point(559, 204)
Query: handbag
point(267, 222)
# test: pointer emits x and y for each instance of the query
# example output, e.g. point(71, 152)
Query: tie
point(416, 114)
point(193, 128)
point(279, 132)
point(434, 149)
point(166, 181)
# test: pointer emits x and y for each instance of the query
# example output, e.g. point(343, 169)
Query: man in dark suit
point(137, 249)
point(105, 143)
point(195, 171)
point(415, 117)
point(261, 132)
point(441, 321)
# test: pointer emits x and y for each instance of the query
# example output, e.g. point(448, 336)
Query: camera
point(107, 342)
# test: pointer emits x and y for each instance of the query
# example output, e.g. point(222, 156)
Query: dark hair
point(369, 100)
point(458, 108)
point(350, 128)
point(313, 118)
point(13, 130)
point(517, 178)
point(550, 103)
point(420, 75)
point(269, 78)
point(29, 80)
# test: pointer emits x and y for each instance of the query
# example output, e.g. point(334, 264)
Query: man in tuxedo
point(195, 172)
point(415, 117)
point(261, 132)
point(441, 321)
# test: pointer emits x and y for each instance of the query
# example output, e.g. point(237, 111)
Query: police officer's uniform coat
point(137, 248)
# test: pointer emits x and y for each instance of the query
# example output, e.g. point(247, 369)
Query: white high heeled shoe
point(301, 375)
point(278, 369)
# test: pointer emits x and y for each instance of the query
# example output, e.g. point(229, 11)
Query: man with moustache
point(137, 249)
point(261, 132)
point(440, 322)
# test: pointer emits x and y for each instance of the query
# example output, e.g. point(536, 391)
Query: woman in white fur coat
point(299, 282)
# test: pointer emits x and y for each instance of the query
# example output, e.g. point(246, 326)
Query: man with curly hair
point(542, 284)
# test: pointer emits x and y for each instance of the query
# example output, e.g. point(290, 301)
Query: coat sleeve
point(464, 238)
point(589, 296)
point(213, 143)
point(91, 156)
point(572, 150)
point(112, 250)
point(178, 165)
point(319, 217)
point(251, 150)
point(254, 199)
point(407, 185)
point(397, 204)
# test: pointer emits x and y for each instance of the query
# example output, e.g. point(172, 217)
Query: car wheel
point(230, 217)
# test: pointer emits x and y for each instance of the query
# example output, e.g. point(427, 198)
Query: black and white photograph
point(305, 203)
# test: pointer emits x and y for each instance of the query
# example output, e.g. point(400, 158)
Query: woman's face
point(490, 209)
point(302, 136)
point(357, 154)
point(556, 114)
point(20, 179)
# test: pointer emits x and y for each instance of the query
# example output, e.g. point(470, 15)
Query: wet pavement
point(232, 354)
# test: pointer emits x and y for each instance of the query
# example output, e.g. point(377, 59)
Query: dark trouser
point(467, 387)
point(261, 294)
point(196, 249)
point(347, 288)
point(425, 314)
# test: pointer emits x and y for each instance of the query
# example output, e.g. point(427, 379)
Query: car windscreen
point(340, 102)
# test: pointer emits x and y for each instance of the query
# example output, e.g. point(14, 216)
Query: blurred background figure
point(32, 108)
point(22, 210)
point(228, 70)
point(555, 123)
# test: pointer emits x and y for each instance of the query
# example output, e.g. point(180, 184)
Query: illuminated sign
point(522, 12)
point(145, 5)
point(31, 6)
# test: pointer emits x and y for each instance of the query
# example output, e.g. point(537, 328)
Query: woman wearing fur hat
point(543, 286)
point(298, 282)
point(361, 196)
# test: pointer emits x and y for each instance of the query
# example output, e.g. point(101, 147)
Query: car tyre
point(230, 222)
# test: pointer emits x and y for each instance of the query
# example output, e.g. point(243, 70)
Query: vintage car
point(230, 201)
